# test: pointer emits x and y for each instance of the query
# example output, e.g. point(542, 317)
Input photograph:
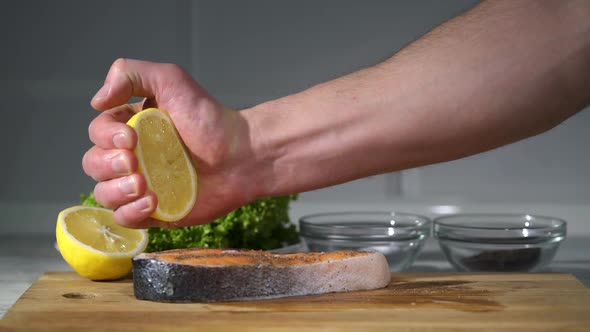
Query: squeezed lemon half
point(96, 247)
point(165, 163)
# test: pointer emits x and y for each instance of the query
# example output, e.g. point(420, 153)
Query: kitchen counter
point(24, 258)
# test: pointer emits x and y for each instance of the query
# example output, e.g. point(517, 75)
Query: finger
point(116, 192)
point(109, 131)
point(128, 78)
point(104, 165)
point(136, 214)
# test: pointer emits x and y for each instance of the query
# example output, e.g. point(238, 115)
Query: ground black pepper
point(515, 260)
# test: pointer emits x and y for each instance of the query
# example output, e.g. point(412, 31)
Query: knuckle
point(92, 130)
point(92, 126)
point(121, 217)
point(175, 70)
point(124, 215)
point(100, 196)
point(85, 163)
point(97, 131)
point(89, 164)
point(119, 63)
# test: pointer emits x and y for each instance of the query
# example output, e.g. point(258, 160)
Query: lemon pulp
point(97, 229)
point(165, 163)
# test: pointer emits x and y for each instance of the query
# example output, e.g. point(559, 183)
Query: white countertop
point(24, 258)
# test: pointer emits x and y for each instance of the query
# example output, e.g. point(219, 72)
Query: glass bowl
point(398, 236)
point(499, 242)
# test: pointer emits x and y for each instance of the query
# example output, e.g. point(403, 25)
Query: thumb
point(134, 78)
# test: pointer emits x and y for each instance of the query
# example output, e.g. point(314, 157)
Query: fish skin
point(167, 280)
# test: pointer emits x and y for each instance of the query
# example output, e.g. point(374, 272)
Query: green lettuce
point(263, 224)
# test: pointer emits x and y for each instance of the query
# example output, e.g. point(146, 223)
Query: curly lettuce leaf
point(263, 224)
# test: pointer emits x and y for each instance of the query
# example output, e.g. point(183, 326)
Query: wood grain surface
point(412, 302)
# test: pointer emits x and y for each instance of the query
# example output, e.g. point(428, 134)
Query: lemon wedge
point(165, 163)
point(96, 247)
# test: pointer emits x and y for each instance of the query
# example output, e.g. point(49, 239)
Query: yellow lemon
point(94, 246)
point(165, 163)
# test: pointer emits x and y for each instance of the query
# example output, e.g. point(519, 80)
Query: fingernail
point(122, 141)
point(120, 165)
point(144, 204)
point(102, 93)
point(128, 186)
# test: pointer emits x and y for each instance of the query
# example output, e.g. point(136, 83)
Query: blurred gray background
point(55, 55)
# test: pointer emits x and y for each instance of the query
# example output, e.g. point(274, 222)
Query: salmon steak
point(212, 275)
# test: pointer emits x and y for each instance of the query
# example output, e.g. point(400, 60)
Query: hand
point(217, 138)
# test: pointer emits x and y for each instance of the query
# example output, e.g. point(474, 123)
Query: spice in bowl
point(499, 242)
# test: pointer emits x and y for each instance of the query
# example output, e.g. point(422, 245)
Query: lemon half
point(96, 247)
point(165, 163)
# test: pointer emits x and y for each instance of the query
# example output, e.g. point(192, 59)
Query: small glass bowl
point(398, 236)
point(499, 242)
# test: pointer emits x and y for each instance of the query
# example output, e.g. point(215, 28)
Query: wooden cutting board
point(412, 302)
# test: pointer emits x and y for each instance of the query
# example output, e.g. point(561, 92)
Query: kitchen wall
point(56, 54)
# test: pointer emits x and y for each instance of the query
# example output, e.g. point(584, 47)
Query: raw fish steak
point(211, 275)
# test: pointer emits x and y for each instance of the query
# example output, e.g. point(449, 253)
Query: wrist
point(260, 154)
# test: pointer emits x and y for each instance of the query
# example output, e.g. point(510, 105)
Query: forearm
point(501, 72)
